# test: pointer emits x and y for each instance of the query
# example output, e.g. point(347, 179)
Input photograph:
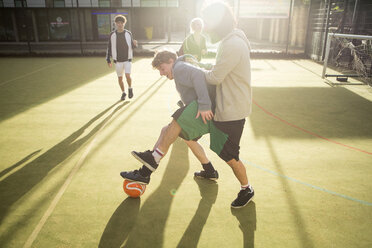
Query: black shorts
point(234, 130)
point(178, 112)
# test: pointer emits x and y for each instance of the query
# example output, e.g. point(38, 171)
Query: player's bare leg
point(129, 82)
point(121, 84)
point(129, 79)
point(246, 191)
point(198, 151)
point(239, 171)
point(209, 172)
point(170, 136)
point(151, 159)
point(162, 133)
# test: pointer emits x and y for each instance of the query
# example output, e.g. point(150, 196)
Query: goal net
point(349, 55)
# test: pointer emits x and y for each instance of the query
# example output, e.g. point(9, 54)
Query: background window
point(88, 25)
point(6, 27)
point(20, 3)
point(42, 24)
point(59, 3)
point(103, 3)
point(24, 25)
point(49, 3)
point(104, 26)
point(59, 25)
point(74, 20)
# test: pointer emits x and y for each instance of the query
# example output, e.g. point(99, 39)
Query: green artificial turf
point(65, 137)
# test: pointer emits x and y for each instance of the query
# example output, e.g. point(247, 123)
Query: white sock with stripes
point(244, 186)
point(158, 154)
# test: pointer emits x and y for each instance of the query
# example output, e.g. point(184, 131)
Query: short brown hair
point(162, 57)
point(120, 18)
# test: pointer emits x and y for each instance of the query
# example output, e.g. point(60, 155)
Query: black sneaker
point(135, 176)
point(146, 159)
point(130, 93)
point(244, 197)
point(123, 96)
point(203, 174)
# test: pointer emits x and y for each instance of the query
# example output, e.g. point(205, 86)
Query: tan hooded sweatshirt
point(232, 76)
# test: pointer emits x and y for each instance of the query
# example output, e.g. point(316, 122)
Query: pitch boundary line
point(30, 73)
point(287, 177)
point(309, 132)
point(308, 184)
point(62, 190)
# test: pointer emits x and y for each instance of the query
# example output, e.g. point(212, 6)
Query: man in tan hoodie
point(232, 76)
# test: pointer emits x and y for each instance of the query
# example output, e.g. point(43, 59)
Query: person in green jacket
point(195, 43)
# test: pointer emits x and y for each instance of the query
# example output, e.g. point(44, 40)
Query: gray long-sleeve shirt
point(191, 84)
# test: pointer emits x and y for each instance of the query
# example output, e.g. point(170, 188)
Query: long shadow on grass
point(294, 209)
point(14, 166)
point(26, 176)
point(208, 192)
point(328, 112)
point(120, 223)
point(247, 223)
point(64, 76)
point(16, 185)
point(149, 225)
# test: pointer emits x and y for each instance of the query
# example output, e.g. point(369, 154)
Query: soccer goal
point(349, 54)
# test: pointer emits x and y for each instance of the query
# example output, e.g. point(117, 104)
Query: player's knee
point(174, 124)
point(188, 142)
point(164, 129)
point(232, 162)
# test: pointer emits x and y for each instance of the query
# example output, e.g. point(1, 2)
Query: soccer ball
point(133, 189)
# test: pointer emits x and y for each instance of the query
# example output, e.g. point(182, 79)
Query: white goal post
point(328, 46)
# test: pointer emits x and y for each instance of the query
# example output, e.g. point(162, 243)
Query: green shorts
point(193, 129)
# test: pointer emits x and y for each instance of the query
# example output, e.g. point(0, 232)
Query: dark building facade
point(82, 26)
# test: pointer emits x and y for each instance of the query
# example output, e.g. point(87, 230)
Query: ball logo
point(133, 189)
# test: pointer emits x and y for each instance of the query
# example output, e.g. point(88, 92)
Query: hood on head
point(239, 33)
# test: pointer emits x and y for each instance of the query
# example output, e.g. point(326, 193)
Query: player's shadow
point(120, 223)
point(148, 230)
point(22, 161)
point(208, 192)
point(18, 96)
point(247, 222)
point(328, 112)
point(16, 185)
point(24, 93)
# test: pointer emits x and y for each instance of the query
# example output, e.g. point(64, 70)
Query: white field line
point(25, 75)
point(62, 190)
